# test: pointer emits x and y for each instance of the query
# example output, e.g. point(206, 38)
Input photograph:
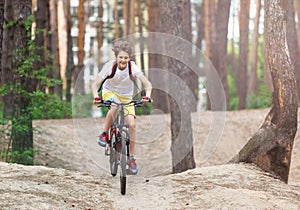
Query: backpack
point(113, 72)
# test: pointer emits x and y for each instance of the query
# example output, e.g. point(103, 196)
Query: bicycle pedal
point(107, 150)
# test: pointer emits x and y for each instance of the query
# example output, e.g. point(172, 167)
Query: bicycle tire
point(123, 164)
point(113, 157)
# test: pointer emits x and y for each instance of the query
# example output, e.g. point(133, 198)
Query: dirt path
point(219, 187)
point(72, 144)
point(78, 176)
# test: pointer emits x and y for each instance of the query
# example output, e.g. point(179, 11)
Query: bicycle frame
point(119, 131)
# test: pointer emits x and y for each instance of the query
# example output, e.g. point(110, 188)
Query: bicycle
point(119, 141)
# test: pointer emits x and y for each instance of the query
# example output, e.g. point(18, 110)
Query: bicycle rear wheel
point(123, 164)
point(113, 158)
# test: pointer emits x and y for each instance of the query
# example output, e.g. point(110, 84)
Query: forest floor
point(73, 171)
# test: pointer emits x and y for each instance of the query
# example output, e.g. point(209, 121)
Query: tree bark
point(22, 132)
point(78, 78)
point(7, 57)
point(41, 16)
point(222, 20)
point(253, 86)
point(292, 41)
point(1, 39)
point(270, 147)
point(55, 46)
point(70, 62)
point(116, 20)
point(159, 82)
point(243, 59)
point(176, 23)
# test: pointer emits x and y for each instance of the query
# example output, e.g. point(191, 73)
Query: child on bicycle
point(120, 87)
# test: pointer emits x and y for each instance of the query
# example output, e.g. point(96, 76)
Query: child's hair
point(122, 46)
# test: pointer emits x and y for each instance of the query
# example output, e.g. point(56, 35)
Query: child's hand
point(146, 99)
point(97, 100)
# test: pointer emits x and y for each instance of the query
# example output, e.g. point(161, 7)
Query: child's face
point(122, 60)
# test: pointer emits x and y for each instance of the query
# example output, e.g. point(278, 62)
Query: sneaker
point(132, 166)
point(102, 140)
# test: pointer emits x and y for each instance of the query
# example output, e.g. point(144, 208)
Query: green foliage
point(48, 106)
point(36, 104)
point(262, 98)
point(81, 106)
point(25, 158)
point(104, 111)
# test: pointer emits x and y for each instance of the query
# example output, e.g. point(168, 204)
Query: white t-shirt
point(120, 84)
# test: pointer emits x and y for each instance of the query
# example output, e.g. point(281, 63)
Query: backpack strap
point(113, 72)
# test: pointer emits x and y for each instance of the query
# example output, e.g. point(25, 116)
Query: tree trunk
point(243, 59)
point(140, 17)
point(1, 33)
point(200, 26)
point(55, 46)
point(132, 10)
point(292, 41)
point(159, 82)
point(253, 86)
point(116, 20)
point(297, 9)
point(70, 62)
point(100, 28)
point(271, 147)
point(211, 52)
point(7, 57)
point(22, 132)
point(222, 30)
point(176, 23)
point(1, 39)
point(41, 29)
point(78, 78)
point(126, 17)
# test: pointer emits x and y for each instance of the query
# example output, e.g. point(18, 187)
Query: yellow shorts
point(128, 110)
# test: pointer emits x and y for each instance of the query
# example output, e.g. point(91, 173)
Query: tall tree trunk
point(271, 147)
point(253, 86)
point(7, 57)
point(132, 10)
point(41, 16)
point(243, 59)
point(126, 17)
point(222, 20)
point(1, 39)
point(140, 17)
point(22, 133)
point(292, 41)
point(100, 32)
point(70, 62)
point(210, 8)
point(100, 28)
point(297, 9)
point(55, 45)
point(159, 82)
point(116, 20)
point(48, 47)
point(200, 26)
point(78, 78)
point(176, 23)
point(233, 58)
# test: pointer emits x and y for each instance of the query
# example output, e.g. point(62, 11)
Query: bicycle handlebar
point(107, 103)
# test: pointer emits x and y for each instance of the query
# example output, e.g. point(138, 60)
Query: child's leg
point(130, 120)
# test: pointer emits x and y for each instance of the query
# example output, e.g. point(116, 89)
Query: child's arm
point(147, 84)
point(95, 86)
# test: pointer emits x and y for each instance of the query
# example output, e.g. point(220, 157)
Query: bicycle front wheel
point(123, 164)
point(113, 158)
